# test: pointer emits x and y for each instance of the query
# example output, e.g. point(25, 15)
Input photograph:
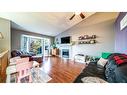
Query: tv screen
point(65, 40)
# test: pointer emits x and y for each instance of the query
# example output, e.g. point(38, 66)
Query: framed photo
point(123, 22)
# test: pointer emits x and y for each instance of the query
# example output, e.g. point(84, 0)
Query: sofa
point(32, 56)
point(114, 71)
point(15, 53)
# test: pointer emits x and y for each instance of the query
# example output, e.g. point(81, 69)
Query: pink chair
point(22, 60)
point(23, 68)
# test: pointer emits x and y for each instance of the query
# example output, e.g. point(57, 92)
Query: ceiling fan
point(77, 13)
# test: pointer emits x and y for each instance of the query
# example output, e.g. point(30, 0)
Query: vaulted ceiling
point(46, 23)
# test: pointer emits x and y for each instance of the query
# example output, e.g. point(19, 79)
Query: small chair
point(22, 60)
point(12, 60)
point(17, 60)
point(20, 67)
point(24, 73)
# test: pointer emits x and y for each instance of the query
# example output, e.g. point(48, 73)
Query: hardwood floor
point(61, 70)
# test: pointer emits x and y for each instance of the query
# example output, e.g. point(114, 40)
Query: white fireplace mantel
point(65, 46)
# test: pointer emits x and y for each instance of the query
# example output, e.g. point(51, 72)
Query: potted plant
point(53, 46)
point(54, 50)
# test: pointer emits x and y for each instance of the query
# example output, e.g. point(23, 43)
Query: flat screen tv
point(65, 40)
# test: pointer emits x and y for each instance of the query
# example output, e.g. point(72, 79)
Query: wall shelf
point(87, 39)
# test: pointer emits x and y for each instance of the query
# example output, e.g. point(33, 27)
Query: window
point(36, 45)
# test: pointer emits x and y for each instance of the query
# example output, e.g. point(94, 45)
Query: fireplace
point(65, 53)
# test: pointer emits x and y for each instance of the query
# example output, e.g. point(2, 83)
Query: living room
point(63, 47)
point(63, 56)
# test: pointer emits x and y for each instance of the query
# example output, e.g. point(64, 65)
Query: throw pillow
point(102, 61)
point(105, 55)
point(87, 58)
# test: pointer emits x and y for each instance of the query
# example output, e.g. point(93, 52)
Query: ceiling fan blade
point(82, 16)
point(72, 17)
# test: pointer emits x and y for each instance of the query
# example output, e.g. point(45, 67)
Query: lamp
point(1, 36)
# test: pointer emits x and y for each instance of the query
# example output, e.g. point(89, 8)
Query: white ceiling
point(46, 23)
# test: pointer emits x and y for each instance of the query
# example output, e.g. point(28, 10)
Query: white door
point(46, 47)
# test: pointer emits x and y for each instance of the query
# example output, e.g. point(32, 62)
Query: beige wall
point(16, 38)
point(100, 24)
point(5, 44)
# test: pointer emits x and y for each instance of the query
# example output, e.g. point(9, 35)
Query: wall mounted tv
point(65, 40)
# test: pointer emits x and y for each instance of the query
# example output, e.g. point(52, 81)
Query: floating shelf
point(87, 39)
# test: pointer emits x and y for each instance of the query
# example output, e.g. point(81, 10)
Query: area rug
point(39, 76)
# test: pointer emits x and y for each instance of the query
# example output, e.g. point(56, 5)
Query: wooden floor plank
point(61, 70)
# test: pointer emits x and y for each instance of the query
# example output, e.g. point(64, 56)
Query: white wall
point(100, 24)
point(5, 44)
